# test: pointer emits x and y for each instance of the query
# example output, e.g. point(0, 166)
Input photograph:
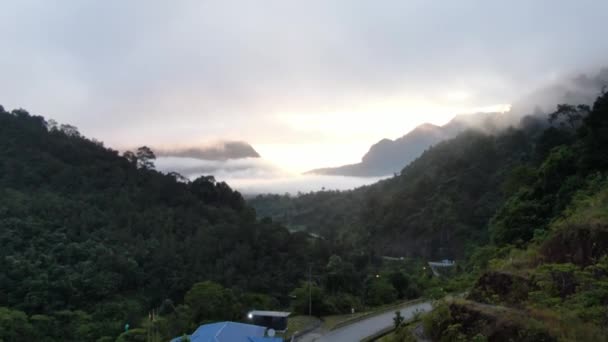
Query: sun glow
point(345, 135)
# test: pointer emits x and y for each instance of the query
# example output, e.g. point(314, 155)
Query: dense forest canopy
point(88, 233)
point(437, 206)
point(93, 240)
point(523, 210)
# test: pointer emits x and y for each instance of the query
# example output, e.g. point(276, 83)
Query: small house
point(276, 320)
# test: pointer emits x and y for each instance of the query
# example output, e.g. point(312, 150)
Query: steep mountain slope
point(548, 260)
point(387, 157)
point(438, 204)
point(92, 240)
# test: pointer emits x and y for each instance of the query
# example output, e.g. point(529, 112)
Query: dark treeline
point(547, 261)
point(437, 207)
point(91, 240)
point(524, 211)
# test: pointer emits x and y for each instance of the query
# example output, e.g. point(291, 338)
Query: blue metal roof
point(229, 332)
point(266, 339)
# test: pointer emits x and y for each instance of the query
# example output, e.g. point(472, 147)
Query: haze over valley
point(280, 171)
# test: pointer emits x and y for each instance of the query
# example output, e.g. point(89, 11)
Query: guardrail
point(306, 330)
point(374, 313)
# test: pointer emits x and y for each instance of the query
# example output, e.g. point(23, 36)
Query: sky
point(308, 83)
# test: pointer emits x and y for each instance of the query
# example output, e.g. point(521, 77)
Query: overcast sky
point(307, 83)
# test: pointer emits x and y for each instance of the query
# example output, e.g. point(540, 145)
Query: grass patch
point(298, 323)
point(330, 322)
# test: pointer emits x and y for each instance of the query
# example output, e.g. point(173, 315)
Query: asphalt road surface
point(364, 328)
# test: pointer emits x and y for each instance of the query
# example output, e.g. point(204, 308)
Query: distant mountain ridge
point(387, 156)
point(221, 151)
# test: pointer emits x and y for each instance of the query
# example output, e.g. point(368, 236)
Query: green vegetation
point(438, 207)
point(523, 210)
point(545, 276)
point(93, 240)
point(300, 323)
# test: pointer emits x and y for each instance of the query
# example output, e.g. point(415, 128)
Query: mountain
point(440, 202)
point(434, 208)
point(91, 240)
point(387, 157)
point(524, 211)
point(220, 151)
point(543, 275)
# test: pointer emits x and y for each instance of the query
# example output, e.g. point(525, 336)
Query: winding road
point(365, 327)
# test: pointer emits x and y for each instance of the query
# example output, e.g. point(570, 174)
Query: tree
point(14, 326)
point(145, 158)
point(69, 130)
point(380, 291)
point(179, 177)
point(570, 114)
point(210, 301)
point(340, 275)
point(52, 125)
point(402, 284)
point(130, 157)
point(300, 300)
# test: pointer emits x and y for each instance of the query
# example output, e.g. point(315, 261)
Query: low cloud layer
point(255, 175)
point(245, 168)
point(222, 150)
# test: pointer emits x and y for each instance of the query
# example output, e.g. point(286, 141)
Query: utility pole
point(310, 289)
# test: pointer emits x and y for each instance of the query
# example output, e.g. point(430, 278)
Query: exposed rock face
point(501, 288)
point(220, 151)
point(496, 323)
point(579, 244)
point(387, 157)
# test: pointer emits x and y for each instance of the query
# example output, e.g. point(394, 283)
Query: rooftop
point(229, 332)
point(270, 313)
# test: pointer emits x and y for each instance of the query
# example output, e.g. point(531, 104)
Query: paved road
point(364, 328)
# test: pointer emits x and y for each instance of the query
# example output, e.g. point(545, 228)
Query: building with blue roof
point(230, 332)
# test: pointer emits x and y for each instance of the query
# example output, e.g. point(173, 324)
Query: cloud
point(221, 169)
point(221, 150)
point(255, 175)
point(138, 72)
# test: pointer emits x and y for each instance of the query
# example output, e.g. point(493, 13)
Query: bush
point(133, 335)
point(437, 321)
point(380, 292)
point(342, 303)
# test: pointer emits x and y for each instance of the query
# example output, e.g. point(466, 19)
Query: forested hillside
point(92, 240)
point(436, 207)
point(544, 274)
point(524, 211)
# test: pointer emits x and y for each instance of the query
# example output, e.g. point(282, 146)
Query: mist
point(253, 176)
